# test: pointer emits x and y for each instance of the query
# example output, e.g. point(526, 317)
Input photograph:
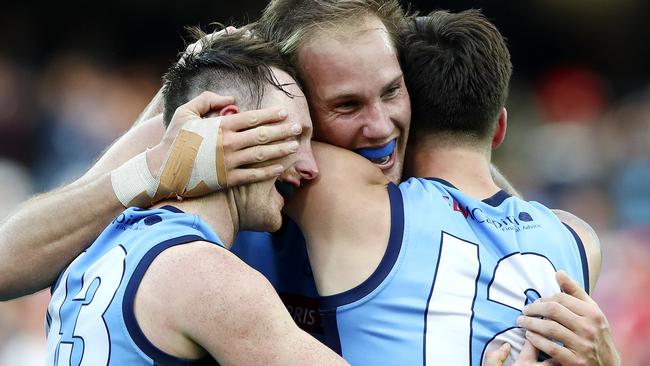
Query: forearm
point(50, 230)
point(502, 182)
point(154, 108)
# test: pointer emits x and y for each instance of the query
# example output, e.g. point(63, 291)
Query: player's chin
point(274, 223)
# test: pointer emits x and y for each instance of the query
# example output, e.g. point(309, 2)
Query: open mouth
point(285, 189)
point(378, 155)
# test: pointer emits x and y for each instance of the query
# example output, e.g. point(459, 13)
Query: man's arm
point(502, 182)
point(49, 230)
point(227, 309)
point(590, 241)
point(572, 316)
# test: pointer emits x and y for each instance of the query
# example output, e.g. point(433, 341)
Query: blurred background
point(73, 77)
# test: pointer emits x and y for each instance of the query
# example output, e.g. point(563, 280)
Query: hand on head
point(199, 155)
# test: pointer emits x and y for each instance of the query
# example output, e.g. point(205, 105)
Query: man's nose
point(378, 124)
point(306, 167)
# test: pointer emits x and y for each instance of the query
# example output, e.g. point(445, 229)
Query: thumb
point(499, 356)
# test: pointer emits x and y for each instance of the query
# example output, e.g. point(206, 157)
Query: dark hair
point(457, 70)
point(235, 64)
point(291, 23)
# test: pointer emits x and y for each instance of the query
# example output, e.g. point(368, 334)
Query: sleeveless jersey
point(454, 278)
point(90, 316)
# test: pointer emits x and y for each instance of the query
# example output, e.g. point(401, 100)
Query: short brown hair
point(457, 70)
point(234, 64)
point(290, 23)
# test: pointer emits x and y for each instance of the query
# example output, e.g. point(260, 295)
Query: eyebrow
point(346, 95)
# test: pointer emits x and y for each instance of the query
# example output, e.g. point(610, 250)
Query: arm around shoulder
point(590, 241)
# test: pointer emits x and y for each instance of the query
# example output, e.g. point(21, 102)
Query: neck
point(466, 167)
point(218, 210)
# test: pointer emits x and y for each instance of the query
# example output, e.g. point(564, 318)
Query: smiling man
point(345, 52)
point(362, 105)
point(364, 108)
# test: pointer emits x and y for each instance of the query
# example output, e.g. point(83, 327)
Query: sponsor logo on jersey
point(521, 221)
point(304, 311)
point(122, 222)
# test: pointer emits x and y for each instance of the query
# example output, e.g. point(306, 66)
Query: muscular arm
point(227, 309)
point(153, 109)
point(344, 245)
point(589, 240)
point(49, 230)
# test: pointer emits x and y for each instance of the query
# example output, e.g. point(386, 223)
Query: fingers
point(552, 310)
point(574, 305)
point(261, 135)
point(251, 175)
point(559, 353)
point(550, 329)
point(200, 106)
point(528, 354)
point(261, 153)
point(197, 46)
point(249, 119)
point(571, 287)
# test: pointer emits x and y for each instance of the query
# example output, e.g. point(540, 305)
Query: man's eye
point(392, 92)
point(347, 106)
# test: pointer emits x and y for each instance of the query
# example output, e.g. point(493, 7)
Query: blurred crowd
point(54, 123)
point(571, 144)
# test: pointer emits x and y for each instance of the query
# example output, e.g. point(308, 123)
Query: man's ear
point(225, 111)
point(500, 131)
point(228, 110)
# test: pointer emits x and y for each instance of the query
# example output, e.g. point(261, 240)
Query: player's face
point(262, 203)
point(357, 95)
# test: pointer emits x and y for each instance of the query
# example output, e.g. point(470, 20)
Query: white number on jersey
point(105, 275)
point(448, 322)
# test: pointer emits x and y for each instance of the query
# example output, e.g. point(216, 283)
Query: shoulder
point(338, 164)
point(199, 296)
point(199, 268)
point(345, 183)
point(589, 239)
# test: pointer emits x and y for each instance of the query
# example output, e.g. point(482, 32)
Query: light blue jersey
point(90, 316)
point(453, 280)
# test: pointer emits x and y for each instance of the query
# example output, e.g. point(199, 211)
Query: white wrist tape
point(195, 165)
point(205, 164)
point(133, 183)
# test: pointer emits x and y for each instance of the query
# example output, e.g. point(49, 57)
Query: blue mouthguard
point(378, 152)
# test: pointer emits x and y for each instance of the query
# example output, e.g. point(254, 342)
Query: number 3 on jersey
point(81, 337)
point(450, 316)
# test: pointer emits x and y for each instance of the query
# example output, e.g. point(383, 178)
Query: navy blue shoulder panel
point(497, 199)
point(583, 257)
point(494, 201)
point(159, 357)
point(385, 266)
point(332, 338)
